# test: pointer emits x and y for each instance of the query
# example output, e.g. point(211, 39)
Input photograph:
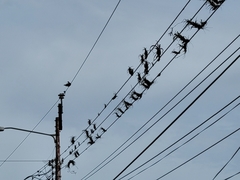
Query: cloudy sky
point(45, 43)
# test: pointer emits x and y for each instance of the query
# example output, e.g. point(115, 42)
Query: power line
point(199, 153)
point(226, 163)
point(232, 176)
point(182, 139)
point(91, 52)
point(130, 91)
point(178, 117)
point(85, 58)
point(162, 109)
point(28, 134)
point(96, 40)
point(126, 82)
point(159, 118)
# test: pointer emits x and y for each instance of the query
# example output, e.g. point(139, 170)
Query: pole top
point(61, 96)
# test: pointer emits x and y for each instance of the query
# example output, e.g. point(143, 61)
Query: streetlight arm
point(30, 131)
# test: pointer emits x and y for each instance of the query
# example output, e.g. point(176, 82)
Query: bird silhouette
point(89, 122)
point(119, 109)
point(70, 162)
point(146, 83)
point(176, 52)
point(104, 130)
point(130, 71)
point(94, 126)
point(146, 67)
point(136, 95)
point(91, 142)
point(70, 152)
point(98, 136)
point(145, 53)
point(50, 163)
point(76, 154)
point(133, 97)
point(118, 116)
point(127, 104)
point(115, 96)
point(72, 139)
point(139, 77)
point(68, 84)
point(87, 133)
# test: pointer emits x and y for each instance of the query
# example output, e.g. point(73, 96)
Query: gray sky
point(43, 45)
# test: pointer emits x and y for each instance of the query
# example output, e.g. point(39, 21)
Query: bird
point(115, 96)
point(89, 122)
point(98, 136)
point(76, 154)
point(91, 141)
point(139, 77)
point(68, 84)
point(131, 71)
point(87, 133)
point(94, 126)
point(73, 139)
point(104, 130)
point(71, 162)
point(118, 116)
point(120, 110)
point(127, 104)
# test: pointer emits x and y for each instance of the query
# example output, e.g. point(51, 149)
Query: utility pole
point(58, 129)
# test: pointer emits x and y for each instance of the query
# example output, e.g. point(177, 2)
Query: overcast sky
point(43, 44)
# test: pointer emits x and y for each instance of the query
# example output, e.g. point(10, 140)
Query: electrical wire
point(152, 142)
point(137, 83)
point(199, 153)
point(96, 41)
point(28, 135)
point(113, 110)
point(232, 176)
point(79, 67)
point(123, 86)
point(226, 163)
point(87, 59)
point(164, 107)
point(182, 139)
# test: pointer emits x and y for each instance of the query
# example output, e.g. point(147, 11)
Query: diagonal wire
point(183, 138)
point(130, 77)
point(232, 176)
point(193, 35)
point(226, 163)
point(96, 41)
point(28, 134)
point(154, 140)
point(164, 107)
point(199, 153)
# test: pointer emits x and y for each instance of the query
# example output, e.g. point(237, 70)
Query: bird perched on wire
point(104, 130)
point(68, 84)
